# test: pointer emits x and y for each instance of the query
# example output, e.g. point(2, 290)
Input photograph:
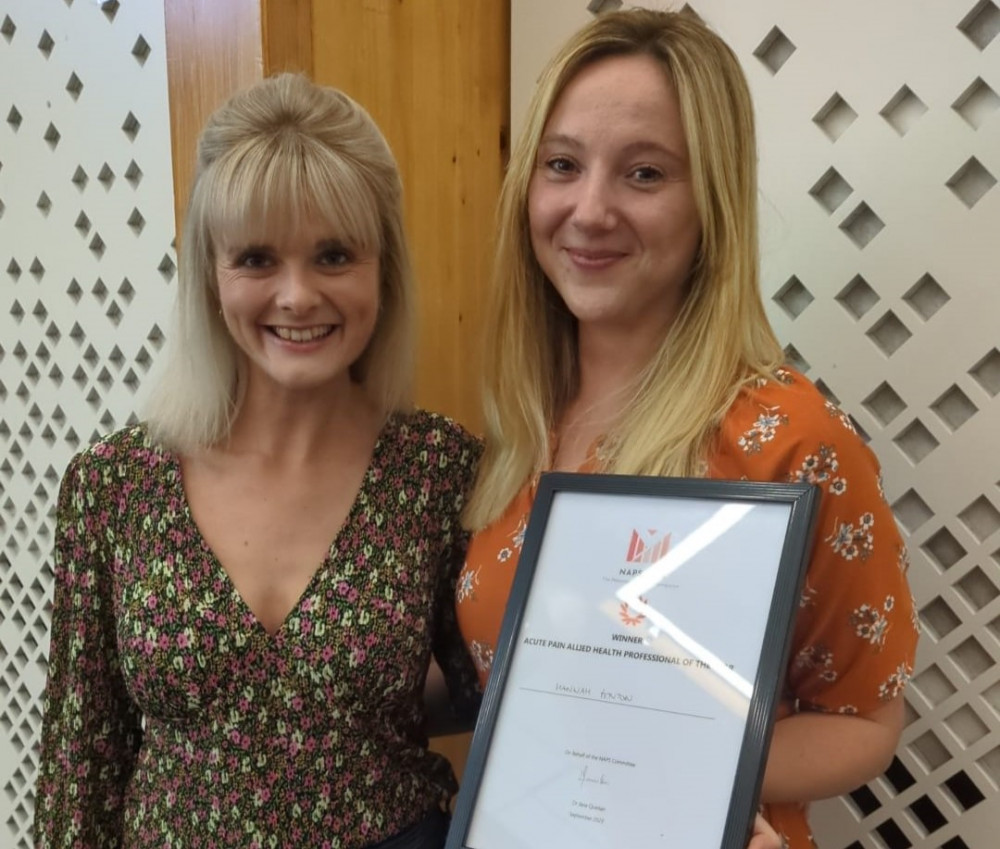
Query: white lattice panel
point(86, 264)
point(879, 130)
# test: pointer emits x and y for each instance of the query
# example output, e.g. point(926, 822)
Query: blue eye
point(647, 174)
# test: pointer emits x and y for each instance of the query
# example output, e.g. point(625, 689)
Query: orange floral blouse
point(855, 636)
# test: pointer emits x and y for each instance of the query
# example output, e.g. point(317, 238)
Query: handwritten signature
point(585, 778)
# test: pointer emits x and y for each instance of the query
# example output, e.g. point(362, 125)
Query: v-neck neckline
point(367, 480)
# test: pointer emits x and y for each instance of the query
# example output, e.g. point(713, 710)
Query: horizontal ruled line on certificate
point(615, 704)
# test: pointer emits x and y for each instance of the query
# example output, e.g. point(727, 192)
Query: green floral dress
point(173, 719)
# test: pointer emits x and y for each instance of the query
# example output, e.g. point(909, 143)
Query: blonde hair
point(282, 151)
point(720, 340)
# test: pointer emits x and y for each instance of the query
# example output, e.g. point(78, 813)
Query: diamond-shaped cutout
point(977, 103)
point(826, 391)
point(136, 222)
point(133, 174)
point(106, 176)
point(793, 297)
point(140, 50)
point(13, 269)
point(80, 178)
point(911, 510)
point(44, 203)
point(99, 290)
point(155, 337)
point(903, 111)
point(916, 441)
point(36, 269)
point(857, 297)
point(74, 86)
point(981, 518)
point(774, 50)
point(131, 126)
point(82, 223)
point(7, 28)
point(14, 118)
point(954, 408)
point(930, 751)
point(599, 7)
point(52, 136)
point(126, 291)
point(971, 658)
point(831, 190)
point(982, 24)
point(928, 814)
point(926, 297)
point(966, 725)
point(977, 589)
point(884, 404)
point(862, 225)
point(971, 182)
point(889, 333)
point(97, 245)
point(45, 44)
point(987, 373)
point(167, 268)
point(110, 8)
point(932, 683)
point(795, 359)
point(835, 117)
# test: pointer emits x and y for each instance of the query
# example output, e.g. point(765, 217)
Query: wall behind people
point(87, 268)
point(879, 129)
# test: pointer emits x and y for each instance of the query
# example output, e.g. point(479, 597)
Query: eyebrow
point(631, 149)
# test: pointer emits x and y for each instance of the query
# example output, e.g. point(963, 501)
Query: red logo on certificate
point(648, 546)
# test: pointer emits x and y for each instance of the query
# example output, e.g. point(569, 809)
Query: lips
point(593, 258)
point(302, 334)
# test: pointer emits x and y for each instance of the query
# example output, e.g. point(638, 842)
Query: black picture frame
point(585, 507)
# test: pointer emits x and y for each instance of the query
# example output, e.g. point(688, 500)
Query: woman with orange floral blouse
point(627, 334)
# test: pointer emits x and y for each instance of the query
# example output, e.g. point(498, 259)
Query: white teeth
point(304, 334)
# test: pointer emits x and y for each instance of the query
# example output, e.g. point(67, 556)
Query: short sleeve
point(91, 728)
point(855, 634)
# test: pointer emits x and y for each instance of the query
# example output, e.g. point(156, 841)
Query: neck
point(609, 364)
point(299, 427)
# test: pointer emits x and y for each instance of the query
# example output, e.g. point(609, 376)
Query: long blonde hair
point(720, 340)
point(273, 155)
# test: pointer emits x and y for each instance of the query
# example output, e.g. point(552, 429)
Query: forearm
point(819, 755)
point(442, 719)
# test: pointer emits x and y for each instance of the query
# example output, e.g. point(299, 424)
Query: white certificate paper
point(627, 673)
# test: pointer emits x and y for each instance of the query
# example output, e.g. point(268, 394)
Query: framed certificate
point(642, 651)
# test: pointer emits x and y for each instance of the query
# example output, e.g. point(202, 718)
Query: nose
point(595, 204)
point(296, 292)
